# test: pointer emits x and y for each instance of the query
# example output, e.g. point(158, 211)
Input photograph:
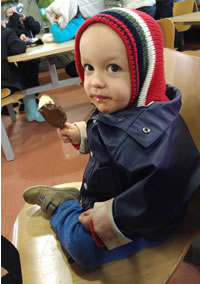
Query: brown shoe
point(49, 197)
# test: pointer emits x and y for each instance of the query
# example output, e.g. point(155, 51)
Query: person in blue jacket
point(68, 32)
point(65, 20)
point(143, 166)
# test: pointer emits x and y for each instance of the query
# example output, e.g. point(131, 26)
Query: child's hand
point(23, 37)
point(22, 17)
point(70, 134)
point(85, 218)
point(56, 18)
point(102, 223)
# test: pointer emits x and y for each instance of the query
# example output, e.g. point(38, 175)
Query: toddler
point(143, 166)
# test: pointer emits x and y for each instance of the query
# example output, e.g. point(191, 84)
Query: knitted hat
point(142, 38)
point(66, 10)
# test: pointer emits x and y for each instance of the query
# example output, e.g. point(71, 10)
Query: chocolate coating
point(54, 115)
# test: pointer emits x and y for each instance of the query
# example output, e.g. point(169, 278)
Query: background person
point(26, 27)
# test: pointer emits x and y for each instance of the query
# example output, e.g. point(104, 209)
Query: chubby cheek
point(87, 89)
point(121, 95)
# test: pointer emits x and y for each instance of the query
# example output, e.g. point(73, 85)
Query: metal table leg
point(5, 142)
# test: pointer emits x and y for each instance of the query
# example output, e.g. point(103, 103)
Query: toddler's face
point(106, 70)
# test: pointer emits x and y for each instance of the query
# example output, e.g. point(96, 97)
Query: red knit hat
point(142, 38)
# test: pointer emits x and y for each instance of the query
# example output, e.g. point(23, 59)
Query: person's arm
point(15, 45)
point(31, 24)
point(99, 221)
point(105, 227)
point(75, 133)
point(159, 184)
point(66, 34)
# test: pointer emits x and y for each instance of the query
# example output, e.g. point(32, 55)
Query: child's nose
point(97, 80)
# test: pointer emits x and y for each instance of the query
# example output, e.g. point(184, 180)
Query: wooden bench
point(182, 71)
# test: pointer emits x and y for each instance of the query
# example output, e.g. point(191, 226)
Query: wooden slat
point(12, 98)
point(182, 71)
point(192, 52)
point(168, 31)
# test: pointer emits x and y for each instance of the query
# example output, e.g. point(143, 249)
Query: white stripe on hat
point(151, 56)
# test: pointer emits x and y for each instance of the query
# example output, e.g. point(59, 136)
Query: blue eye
point(88, 68)
point(113, 68)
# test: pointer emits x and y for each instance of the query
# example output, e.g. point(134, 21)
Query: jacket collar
point(144, 124)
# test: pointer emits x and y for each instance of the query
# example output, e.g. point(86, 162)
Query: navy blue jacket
point(144, 158)
point(11, 45)
point(29, 26)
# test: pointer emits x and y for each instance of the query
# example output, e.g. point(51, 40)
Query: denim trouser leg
point(79, 243)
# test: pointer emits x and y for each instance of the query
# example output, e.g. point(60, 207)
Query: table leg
point(5, 142)
point(55, 82)
point(53, 72)
point(11, 112)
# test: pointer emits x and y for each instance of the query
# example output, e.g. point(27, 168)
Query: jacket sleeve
point(156, 202)
point(66, 34)
point(15, 45)
point(32, 25)
point(84, 141)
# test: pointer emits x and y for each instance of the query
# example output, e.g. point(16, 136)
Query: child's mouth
point(100, 99)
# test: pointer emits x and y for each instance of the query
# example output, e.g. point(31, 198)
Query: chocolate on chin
point(52, 113)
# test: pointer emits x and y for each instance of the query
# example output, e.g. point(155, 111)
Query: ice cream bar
point(52, 112)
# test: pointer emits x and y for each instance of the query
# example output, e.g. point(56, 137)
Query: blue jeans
point(79, 243)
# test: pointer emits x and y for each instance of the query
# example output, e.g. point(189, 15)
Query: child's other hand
point(23, 37)
point(85, 218)
point(70, 134)
point(101, 221)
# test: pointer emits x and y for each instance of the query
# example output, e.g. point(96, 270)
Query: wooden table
point(187, 19)
point(49, 51)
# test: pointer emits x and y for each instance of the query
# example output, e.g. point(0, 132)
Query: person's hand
point(56, 18)
point(22, 17)
point(23, 37)
point(70, 134)
point(85, 218)
point(101, 221)
point(11, 10)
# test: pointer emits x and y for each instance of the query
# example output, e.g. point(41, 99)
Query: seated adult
point(25, 27)
point(11, 44)
point(11, 75)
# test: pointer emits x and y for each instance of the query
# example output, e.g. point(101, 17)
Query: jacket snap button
point(121, 118)
point(146, 130)
point(85, 185)
point(94, 120)
point(91, 154)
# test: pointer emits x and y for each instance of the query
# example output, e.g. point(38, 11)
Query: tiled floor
point(41, 158)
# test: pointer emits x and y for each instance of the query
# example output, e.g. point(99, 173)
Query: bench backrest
point(183, 71)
